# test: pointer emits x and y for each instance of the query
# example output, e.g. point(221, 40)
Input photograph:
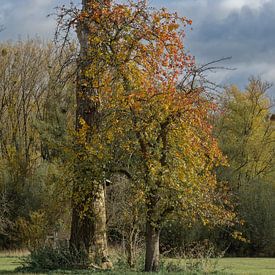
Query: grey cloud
point(221, 28)
point(248, 35)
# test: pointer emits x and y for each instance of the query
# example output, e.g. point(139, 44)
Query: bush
point(176, 236)
point(49, 258)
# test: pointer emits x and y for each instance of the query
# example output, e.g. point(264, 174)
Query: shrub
point(49, 258)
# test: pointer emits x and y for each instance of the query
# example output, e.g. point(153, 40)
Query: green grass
point(253, 266)
point(262, 266)
point(8, 263)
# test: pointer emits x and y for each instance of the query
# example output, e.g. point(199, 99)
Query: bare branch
point(197, 77)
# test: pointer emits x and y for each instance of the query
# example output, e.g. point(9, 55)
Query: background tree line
point(36, 114)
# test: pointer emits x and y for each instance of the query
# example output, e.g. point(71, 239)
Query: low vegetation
point(224, 266)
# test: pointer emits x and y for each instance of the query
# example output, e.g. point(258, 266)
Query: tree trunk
point(132, 245)
point(152, 248)
point(130, 248)
point(130, 255)
point(86, 230)
point(82, 230)
point(100, 234)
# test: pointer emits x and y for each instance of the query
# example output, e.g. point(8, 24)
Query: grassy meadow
point(248, 265)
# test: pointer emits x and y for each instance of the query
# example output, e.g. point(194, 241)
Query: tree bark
point(81, 231)
point(88, 230)
point(152, 248)
point(100, 234)
point(131, 246)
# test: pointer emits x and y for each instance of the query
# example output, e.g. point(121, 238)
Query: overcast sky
point(243, 29)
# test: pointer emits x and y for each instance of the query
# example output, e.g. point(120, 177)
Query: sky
point(241, 29)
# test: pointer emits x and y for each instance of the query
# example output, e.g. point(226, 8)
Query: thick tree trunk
point(91, 230)
point(88, 230)
point(81, 231)
point(152, 248)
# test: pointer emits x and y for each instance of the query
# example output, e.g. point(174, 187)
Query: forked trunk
point(152, 248)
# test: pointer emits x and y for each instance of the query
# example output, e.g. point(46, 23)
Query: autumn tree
point(135, 59)
point(173, 155)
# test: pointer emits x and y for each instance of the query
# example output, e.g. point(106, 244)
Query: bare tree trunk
point(85, 231)
point(152, 248)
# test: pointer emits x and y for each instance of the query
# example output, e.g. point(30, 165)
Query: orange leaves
point(131, 32)
point(173, 26)
point(136, 60)
point(82, 16)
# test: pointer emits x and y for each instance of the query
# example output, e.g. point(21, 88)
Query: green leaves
point(246, 134)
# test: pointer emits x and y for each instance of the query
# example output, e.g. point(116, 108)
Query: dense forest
point(117, 139)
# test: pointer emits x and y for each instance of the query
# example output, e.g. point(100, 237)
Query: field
point(9, 262)
point(247, 265)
